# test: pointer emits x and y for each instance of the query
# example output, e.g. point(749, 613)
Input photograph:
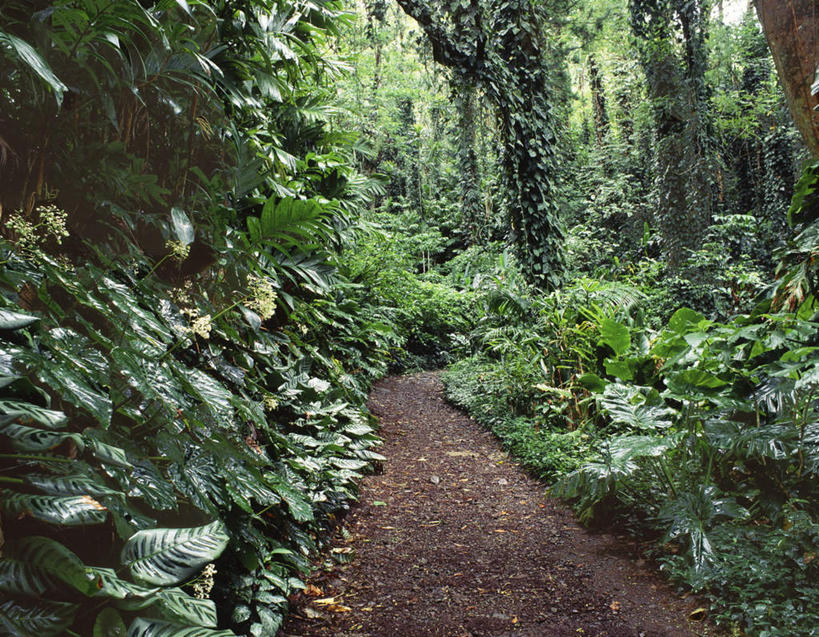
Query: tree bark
point(792, 30)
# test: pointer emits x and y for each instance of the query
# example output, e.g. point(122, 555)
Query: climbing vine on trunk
point(676, 85)
point(500, 47)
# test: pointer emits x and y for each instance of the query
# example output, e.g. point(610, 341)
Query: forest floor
point(453, 539)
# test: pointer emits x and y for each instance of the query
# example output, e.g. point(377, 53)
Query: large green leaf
point(168, 556)
point(46, 556)
point(32, 60)
point(15, 320)
point(626, 405)
point(63, 510)
point(109, 624)
point(108, 584)
point(615, 335)
point(28, 412)
point(142, 627)
point(176, 605)
point(25, 438)
point(35, 617)
point(17, 576)
point(71, 485)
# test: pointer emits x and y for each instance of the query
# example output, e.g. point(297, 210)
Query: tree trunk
point(792, 30)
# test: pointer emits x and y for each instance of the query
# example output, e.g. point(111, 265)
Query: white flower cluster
point(202, 325)
point(29, 236)
point(262, 297)
point(204, 585)
point(178, 250)
point(270, 402)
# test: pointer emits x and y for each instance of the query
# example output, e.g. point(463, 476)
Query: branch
point(444, 48)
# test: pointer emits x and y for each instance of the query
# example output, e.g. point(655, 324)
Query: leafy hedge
point(129, 440)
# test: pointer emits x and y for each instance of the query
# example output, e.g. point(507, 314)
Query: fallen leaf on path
point(312, 613)
point(379, 503)
point(698, 614)
point(339, 608)
point(313, 591)
point(325, 601)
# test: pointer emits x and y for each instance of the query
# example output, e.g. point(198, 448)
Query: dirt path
point(453, 539)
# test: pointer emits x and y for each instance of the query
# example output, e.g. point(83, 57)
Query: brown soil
point(453, 539)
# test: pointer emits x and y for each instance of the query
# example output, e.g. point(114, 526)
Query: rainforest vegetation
point(222, 220)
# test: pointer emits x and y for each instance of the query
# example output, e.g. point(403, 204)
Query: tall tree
point(500, 47)
point(676, 84)
point(792, 30)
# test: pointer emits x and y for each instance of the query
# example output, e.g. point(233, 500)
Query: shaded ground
point(452, 539)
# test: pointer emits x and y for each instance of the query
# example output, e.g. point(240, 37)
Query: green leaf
point(592, 382)
point(615, 335)
point(55, 560)
point(182, 226)
point(70, 485)
point(685, 320)
point(26, 412)
point(619, 369)
point(693, 383)
point(33, 61)
point(108, 584)
point(36, 617)
point(109, 624)
point(168, 556)
point(142, 627)
point(626, 405)
point(63, 510)
point(176, 605)
point(108, 454)
point(19, 577)
point(300, 508)
point(15, 320)
point(25, 438)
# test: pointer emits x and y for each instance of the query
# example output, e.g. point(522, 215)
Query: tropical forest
point(409, 318)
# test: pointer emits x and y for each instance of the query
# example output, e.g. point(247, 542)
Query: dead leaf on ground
point(312, 613)
point(313, 591)
point(325, 601)
point(698, 614)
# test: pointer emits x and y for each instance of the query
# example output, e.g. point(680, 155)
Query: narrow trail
point(453, 539)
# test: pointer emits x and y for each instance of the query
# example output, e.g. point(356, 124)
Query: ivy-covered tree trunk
point(470, 176)
point(792, 30)
point(601, 116)
point(676, 84)
point(499, 47)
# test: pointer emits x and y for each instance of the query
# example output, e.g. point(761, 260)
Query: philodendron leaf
point(25, 438)
point(63, 510)
point(176, 605)
point(54, 559)
point(615, 335)
point(168, 556)
point(15, 320)
point(182, 226)
point(35, 617)
point(142, 627)
point(109, 624)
